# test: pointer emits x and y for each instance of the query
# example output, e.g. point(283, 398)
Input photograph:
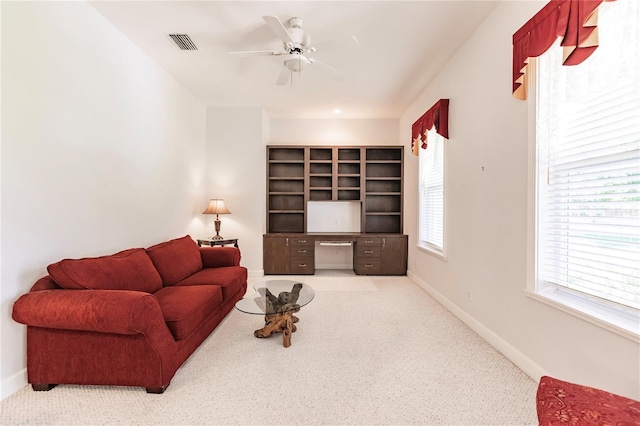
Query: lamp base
point(217, 237)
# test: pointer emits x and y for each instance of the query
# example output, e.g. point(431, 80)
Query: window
point(431, 214)
point(588, 174)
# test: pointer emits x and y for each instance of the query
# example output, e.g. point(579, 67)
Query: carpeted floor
point(368, 350)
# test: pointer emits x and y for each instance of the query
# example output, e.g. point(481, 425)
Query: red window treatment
point(573, 20)
point(438, 116)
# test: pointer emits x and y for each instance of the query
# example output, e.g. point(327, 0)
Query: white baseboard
point(13, 384)
point(530, 368)
point(255, 273)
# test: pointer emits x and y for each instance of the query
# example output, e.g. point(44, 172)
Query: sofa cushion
point(176, 259)
point(127, 270)
point(185, 308)
point(230, 278)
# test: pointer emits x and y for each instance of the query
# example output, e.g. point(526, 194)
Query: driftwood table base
point(279, 323)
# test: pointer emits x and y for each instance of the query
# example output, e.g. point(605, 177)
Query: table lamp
point(216, 206)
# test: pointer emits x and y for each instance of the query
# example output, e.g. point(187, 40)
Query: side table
point(212, 243)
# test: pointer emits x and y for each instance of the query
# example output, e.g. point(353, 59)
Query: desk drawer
point(302, 266)
point(369, 242)
point(368, 266)
point(302, 242)
point(302, 251)
point(368, 251)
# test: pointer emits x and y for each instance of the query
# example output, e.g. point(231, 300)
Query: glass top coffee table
point(277, 300)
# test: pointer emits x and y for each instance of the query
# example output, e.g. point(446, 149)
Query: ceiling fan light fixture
point(297, 63)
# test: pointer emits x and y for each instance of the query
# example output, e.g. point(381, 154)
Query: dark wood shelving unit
point(383, 200)
point(286, 189)
point(372, 175)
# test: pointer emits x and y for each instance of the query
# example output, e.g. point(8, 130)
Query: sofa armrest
point(106, 311)
point(215, 257)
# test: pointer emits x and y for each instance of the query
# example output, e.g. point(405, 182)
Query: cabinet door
point(394, 255)
point(275, 252)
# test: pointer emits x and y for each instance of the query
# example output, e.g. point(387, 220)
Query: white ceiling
point(402, 46)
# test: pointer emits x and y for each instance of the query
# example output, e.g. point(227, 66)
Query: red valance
point(573, 20)
point(438, 116)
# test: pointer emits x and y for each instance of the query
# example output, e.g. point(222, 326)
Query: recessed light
point(336, 111)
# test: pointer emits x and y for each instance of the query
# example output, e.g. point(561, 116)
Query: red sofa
point(129, 319)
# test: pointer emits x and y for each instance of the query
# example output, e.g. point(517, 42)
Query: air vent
point(183, 41)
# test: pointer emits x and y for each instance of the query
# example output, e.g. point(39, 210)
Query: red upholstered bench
point(563, 403)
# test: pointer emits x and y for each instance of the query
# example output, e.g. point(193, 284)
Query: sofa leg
point(158, 390)
point(38, 387)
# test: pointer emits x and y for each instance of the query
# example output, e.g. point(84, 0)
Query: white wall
point(486, 220)
point(101, 151)
point(333, 132)
point(236, 172)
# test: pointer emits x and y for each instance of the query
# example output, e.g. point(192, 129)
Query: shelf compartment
point(348, 168)
point(287, 154)
point(384, 170)
point(286, 202)
point(383, 185)
point(320, 194)
point(387, 224)
point(384, 154)
point(348, 182)
point(383, 203)
point(320, 182)
point(320, 168)
point(352, 154)
point(320, 154)
point(286, 222)
point(349, 194)
point(286, 185)
point(286, 170)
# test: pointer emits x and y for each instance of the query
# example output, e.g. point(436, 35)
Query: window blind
point(588, 131)
point(432, 192)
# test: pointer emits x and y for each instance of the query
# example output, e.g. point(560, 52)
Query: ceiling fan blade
point(258, 53)
point(277, 27)
point(328, 68)
point(347, 42)
point(283, 78)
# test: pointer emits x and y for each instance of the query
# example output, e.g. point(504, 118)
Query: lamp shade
point(216, 206)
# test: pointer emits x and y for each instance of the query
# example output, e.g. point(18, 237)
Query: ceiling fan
point(296, 48)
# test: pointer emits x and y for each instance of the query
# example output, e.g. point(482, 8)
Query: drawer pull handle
point(302, 241)
point(368, 241)
point(368, 266)
point(368, 251)
point(302, 251)
point(302, 265)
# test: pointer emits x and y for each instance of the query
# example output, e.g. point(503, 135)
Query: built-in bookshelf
point(348, 182)
point(286, 189)
point(371, 175)
point(383, 190)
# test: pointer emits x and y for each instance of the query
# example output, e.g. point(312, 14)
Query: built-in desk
point(373, 254)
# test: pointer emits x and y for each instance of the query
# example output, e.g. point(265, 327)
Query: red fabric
point(185, 308)
point(127, 270)
point(579, 30)
point(176, 259)
point(106, 311)
point(214, 257)
point(438, 116)
point(229, 278)
point(90, 358)
point(568, 404)
point(568, 19)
